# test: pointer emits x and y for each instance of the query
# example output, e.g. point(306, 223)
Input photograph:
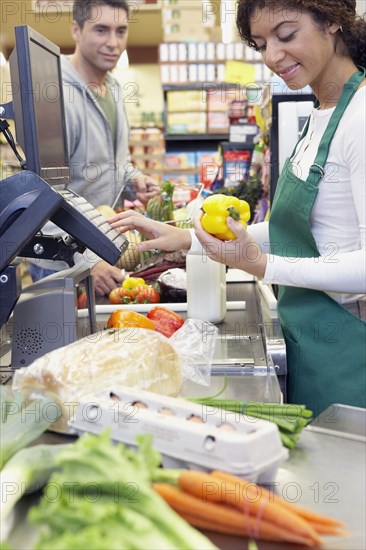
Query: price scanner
point(39, 193)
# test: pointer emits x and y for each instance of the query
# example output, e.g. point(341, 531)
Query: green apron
point(325, 343)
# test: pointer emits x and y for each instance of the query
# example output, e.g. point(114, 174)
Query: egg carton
point(188, 435)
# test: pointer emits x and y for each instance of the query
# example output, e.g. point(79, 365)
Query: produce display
point(124, 319)
point(134, 290)
point(224, 503)
point(166, 322)
point(159, 318)
point(131, 356)
point(217, 208)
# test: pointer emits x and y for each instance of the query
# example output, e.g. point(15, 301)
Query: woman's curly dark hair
point(340, 12)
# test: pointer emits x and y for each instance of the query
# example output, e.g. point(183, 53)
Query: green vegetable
point(79, 523)
point(290, 419)
point(105, 492)
point(27, 471)
point(22, 423)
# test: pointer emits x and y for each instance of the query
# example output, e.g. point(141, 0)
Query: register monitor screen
point(38, 105)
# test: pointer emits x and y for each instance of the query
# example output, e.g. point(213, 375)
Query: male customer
point(97, 124)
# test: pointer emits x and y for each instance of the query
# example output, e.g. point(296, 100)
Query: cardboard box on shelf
point(186, 100)
point(191, 179)
point(207, 162)
point(177, 34)
point(217, 122)
point(187, 123)
point(180, 160)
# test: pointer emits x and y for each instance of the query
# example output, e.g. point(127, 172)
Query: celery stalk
point(27, 471)
point(22, 423)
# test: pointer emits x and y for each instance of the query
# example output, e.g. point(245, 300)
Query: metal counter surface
point(325, 473)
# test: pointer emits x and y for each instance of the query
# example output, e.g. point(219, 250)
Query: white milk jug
point(206, 288)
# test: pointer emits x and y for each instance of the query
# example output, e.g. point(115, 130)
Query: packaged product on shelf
point(202, 73)
point(211, 72)
point(155, 164)
point(173, 52)
point(182, 74)
point(217, 123)
point(221, 97)
point(192, 51)
point(180, 160)
point(165, 74)
point(179, 179)
point(239, 51)
point(230, 51)
point(201, 51)
point(137, 134)
point(192, 73)
point(210, 51)
point(164, 52)
point(137, 150)
point(186, 100)
point(174, 74)
point(186, 123)
point(182, 52)
point(221, 51)
point(207, 162)
point(236, 167)
point(221, 70)
point(155, 135)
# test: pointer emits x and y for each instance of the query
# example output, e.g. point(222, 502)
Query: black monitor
point(38, 105)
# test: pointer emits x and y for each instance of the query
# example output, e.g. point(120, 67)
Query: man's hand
point(145, 188)
point(106, 277)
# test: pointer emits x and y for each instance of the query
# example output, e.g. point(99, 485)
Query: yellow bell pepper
point(217, 208)
point(132, 282)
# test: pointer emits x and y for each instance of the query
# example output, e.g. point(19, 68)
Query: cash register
point(45, 313)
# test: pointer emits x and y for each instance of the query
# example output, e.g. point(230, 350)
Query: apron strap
point(349, 90)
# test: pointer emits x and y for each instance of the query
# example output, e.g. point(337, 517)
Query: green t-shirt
point(108, 106)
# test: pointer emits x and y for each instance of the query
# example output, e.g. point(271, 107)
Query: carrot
point(209, 488)
point(323, 529)
point(223, 520)
point(305, 513)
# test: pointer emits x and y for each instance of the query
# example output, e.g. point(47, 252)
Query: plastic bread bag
point(133, 357)
point(195, 343)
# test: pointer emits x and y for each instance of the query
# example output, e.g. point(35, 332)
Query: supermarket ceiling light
point(123, 62)
point(228, 15)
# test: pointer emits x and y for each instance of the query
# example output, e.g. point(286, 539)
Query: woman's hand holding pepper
point(241, 253)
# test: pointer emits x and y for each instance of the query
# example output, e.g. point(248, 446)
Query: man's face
point(103, 38)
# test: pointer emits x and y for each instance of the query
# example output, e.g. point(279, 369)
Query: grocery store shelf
point(197, 137)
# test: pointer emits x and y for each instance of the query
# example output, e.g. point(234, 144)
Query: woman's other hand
point(161, 235)
point(242, 253)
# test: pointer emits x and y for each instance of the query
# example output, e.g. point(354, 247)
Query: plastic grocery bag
point(195, 344)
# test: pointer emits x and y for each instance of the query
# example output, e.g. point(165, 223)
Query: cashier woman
point(314, 246)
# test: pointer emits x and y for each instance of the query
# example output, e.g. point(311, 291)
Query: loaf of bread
point(131, 357)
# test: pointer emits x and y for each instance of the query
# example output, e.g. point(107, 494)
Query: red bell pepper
point(166, 322)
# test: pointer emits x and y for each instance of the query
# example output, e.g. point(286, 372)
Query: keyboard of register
point(78, 217)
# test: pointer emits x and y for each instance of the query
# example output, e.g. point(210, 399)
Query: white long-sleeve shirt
point(338, 218)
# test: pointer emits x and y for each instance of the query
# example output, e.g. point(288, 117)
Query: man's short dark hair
point(82, 8)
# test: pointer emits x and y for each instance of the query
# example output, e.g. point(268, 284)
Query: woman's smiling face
point(294, 46)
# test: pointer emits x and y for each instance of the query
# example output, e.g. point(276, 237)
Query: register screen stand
point(46, 316)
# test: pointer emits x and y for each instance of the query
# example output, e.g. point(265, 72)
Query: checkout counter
point(325, 472)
